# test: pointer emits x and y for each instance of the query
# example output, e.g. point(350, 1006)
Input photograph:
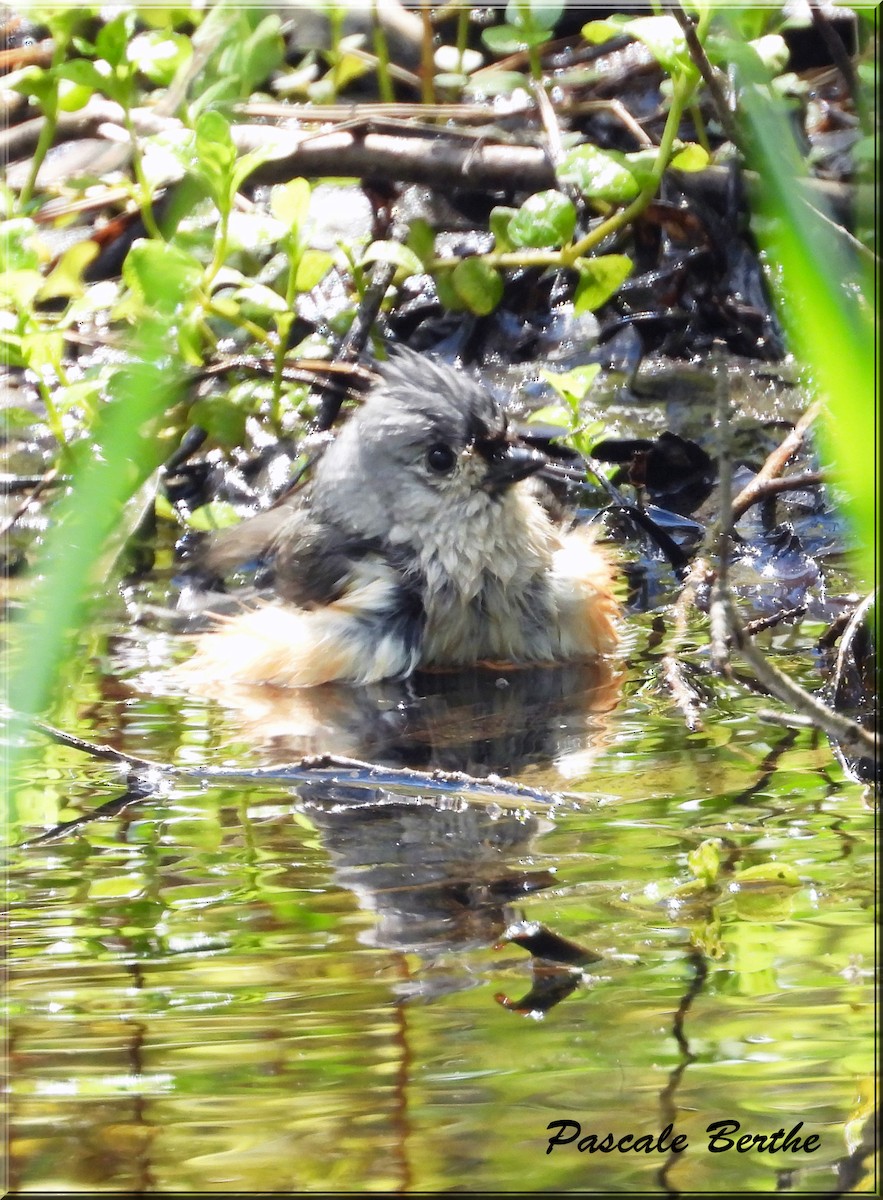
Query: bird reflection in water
point(442, 875)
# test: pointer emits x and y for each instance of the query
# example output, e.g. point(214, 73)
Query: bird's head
point(430, 444)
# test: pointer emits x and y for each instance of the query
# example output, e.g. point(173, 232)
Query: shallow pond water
point(259, 984)
point(267, 987)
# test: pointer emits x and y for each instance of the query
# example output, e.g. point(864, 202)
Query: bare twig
point(775, 487)
point(321, 768)
point(732, 635)
point(683, 693)
point(776, 618)
point(775, 463)
point(47, 480)
point(706, 70)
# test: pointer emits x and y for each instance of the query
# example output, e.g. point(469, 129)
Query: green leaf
point(773, 52)
point(83, 73)
point(215, 154)
point(20, 247)
point(66, 278)
point(40, 85)
point(447, 294)
point(21, 288)
point(544, 219)
point(691, 157)
point(541, 13)
point(72, 96)
point(421, 239)
point(113, 39)
point(160, 54)
point(478, 285)
point(42, 349)
point(599, 175)
point(551, 414)
point(599, 279)
point(163, 508)
point(225, 422)
point(641, 163)
point(772, 872)
point(573, 385)
point(598, 32)
point(511, 39)
point(217, 514)
point(496, 83)
point(395, 253)
point(289, 203)
point(499, 226)
point(312, 269)
point(163, 276)
point(258, 296)
point(704, 861)
point(259, 56)
point(665, 40)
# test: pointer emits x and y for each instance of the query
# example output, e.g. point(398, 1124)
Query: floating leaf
point(771, 872)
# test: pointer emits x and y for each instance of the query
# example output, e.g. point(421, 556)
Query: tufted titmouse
point(421, 541)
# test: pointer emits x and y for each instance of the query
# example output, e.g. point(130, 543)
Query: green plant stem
point(144, 195)
point(221, 241)
point(53, 416)
point(682, 91)
point(567, 256)
point(45, 140)
point(381, 49)
point(427, 57)
point(47, 133)
point(462, 33)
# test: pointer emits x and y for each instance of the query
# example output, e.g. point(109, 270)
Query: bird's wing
point(312, 560)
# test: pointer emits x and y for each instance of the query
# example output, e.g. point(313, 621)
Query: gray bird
point(421, 541)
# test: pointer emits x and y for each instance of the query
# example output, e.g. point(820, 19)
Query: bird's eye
point(440, 458)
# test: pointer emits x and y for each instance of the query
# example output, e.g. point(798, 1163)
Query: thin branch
point(775, 462)
point(320, 768)
point(710, 77)
point(725, 619)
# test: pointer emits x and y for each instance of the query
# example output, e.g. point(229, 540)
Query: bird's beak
point(507, 464)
